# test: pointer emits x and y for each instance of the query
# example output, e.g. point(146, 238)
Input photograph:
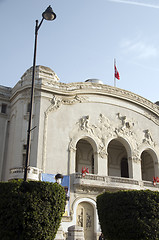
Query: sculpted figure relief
point(105, 123)
point(56, 102)
point(148, 138)
point(126, 126)
point(84, 123)
point(102, 149)
point(104, 129)
point(99, 132)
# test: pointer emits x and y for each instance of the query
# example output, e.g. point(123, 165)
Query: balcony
point(18, 173)
point(92, 182)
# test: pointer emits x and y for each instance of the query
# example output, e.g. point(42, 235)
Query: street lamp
point(47, 15)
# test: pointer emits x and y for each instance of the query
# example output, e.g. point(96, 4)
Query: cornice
point(100, 89)
point(5, 92)
point(84, 88)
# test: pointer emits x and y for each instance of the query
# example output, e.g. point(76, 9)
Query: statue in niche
point(80, 219)
point(88, 220)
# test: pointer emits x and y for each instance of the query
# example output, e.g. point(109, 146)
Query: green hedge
point(129, 215)
point(30, 210)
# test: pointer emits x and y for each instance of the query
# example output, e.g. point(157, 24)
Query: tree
point(30, 210)
point(129, 215)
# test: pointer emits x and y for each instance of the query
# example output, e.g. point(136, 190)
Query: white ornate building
point(112, 132)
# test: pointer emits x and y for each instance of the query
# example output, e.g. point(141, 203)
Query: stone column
point(72, 160)
point(156, 169)
point(136, 168)
point(102, 165)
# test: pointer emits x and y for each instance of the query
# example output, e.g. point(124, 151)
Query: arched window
point(147, 166)
point(117, 159)
point(84, 156)
point(124, 168)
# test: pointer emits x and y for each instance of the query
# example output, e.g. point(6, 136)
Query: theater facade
point(110, 133)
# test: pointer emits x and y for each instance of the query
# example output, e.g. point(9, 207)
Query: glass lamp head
point(49, 14)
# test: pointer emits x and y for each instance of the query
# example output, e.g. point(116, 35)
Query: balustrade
point(112, 182)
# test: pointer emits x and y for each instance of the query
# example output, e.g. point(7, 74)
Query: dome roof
point(94, 80)
point(41, 72)
point(157, 103)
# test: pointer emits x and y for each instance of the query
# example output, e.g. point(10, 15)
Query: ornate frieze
point(106, 129)
point(107, 90)
point(97, 132)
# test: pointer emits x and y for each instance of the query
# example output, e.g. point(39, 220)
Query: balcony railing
point(111, 182)
point(18, 173)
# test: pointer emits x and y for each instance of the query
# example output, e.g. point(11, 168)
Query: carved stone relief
point(84, 126)
point(80, 218)
point(84, 123)
point(126, 126)
point(88, 221)
point(148, 138)
point(57, 101)
point(105, 128)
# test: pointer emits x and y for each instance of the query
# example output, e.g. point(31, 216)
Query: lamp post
point(47, 15)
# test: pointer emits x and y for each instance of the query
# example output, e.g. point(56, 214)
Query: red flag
point(116, 74)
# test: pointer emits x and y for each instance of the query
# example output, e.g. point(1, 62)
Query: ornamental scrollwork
point(57, 101)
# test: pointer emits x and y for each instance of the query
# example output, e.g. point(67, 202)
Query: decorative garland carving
point(106, 129)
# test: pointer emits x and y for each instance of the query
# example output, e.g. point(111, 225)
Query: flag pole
point(114, 73)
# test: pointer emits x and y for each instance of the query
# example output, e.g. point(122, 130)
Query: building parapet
point(101, 183)
point(18, 173)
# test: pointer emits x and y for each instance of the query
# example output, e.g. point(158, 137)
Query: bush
point(30, 210)
point(129, 215)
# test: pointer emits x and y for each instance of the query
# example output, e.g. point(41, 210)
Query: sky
point(82, 42)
